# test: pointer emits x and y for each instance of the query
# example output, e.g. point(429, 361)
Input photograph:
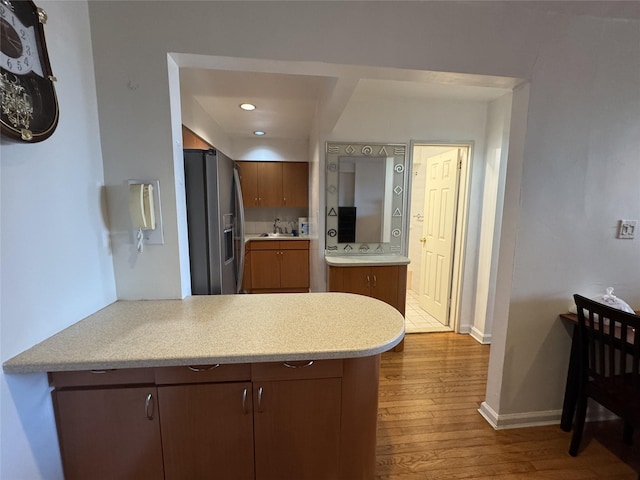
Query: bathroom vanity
point(379, 276)
point(366, 221)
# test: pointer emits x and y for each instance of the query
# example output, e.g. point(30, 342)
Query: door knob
point(423, 240)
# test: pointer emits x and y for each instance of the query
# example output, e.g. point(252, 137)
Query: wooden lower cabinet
point(108, 433)
point(387, 283)
point(297, 429)
point(207, 428)
point(276, 266)
point(302, 420)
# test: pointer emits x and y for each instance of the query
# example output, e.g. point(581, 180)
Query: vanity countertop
point(218, 329)
point(365, 260)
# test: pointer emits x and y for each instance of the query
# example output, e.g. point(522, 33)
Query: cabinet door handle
point(196, 368)
point(293, 365)
point(148, 406)
point(368, 281)
point(375, 281)
point(244, 401)
point(260, 391)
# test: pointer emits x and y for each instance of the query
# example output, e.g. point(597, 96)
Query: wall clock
point(29, 105)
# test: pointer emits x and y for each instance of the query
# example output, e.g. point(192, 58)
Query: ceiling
point(287, 103)
point(291, 96)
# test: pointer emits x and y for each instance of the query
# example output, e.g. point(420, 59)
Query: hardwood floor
point(429, 426)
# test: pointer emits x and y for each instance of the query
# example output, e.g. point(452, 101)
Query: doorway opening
point(439, 187)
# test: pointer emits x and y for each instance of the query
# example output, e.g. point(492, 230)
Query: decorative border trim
point(396, 156)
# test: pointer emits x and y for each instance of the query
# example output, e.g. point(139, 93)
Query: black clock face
point(29, 105)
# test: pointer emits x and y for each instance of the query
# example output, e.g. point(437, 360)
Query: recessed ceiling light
point(259, 133)
point(247, 106)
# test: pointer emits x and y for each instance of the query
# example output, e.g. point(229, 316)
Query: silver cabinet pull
point(244, 401)
point(292, 365)
point(375, 281)
point(260, 391)
point(148, 406)
point(195, 368)
point(368, 280)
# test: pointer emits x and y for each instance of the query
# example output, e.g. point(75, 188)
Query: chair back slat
point(610, 340)
point(608, 365)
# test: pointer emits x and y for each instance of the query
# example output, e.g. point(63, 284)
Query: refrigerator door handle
point(240, 229)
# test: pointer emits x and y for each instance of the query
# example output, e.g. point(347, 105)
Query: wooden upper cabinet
point(295, 184)
point(274, 184)
point(249, 182)
point(191, 140)
point(270, 184)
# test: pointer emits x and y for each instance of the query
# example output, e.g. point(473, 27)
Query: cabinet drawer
point(294, 245)
point(86, 378)
point(265, 244)
point(298, 369)
point(203, 373)
point(279, 244)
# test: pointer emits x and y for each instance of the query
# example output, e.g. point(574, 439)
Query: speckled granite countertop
point(218, 329)
point(365, 260)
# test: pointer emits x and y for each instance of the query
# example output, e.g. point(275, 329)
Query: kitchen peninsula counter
point(235, 386)
point(218, 329)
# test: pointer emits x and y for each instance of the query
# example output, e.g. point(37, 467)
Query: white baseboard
point(595, 413)
point(481, 337)
point(519, 420)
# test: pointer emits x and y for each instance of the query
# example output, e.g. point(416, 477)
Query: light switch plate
point(627, 229)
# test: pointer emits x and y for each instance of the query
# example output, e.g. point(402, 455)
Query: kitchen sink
point(276, 235)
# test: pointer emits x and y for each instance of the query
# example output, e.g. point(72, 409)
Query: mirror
point(365, 198)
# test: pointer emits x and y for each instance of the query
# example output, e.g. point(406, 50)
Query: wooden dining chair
point(609, 365)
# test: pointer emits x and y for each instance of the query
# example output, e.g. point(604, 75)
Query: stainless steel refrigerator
point(215, 218)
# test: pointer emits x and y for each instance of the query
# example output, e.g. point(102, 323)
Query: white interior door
point(438, 235)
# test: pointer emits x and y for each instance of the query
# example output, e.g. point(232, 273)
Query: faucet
point(276, 227)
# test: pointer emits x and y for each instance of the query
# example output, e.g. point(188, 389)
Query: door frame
point(462, 215)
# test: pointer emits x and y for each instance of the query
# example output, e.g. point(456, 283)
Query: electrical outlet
point(627, 229)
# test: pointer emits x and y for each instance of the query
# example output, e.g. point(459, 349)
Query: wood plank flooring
point(429, 426)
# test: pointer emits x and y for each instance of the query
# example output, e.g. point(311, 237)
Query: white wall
point(495, 168)
point(579, 177)
point(56, 265)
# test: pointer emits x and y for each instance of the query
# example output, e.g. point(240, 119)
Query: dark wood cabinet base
point(311, 420)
